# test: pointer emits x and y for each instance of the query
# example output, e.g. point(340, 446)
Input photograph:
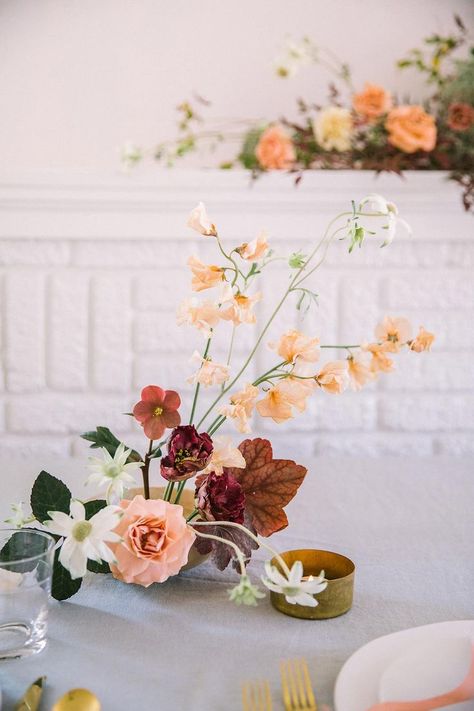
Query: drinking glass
point(26, 565)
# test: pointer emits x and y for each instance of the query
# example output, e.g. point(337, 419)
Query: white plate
point(359, 681)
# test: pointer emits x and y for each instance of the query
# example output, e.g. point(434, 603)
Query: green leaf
point(92, 507)
point(49, 494)
point(63, 586)
point(102, 567)
point(103, 437)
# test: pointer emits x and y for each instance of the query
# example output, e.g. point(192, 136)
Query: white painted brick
point(24, 331)
point(38, 448)
point(36, 253)
point(52, 413)
point(454, 329)
point(133, 253)
point(378, 444)
point(431, 371)
point(326, 412)
point(360, 308)
point(67, 341)
point(110, 355)
point(428, 412)
point(163, 290)
point(457, 444)
point(403, 255)
point(160, 334)
point(444, 290)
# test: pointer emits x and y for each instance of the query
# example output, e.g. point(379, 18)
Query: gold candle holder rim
point(304, 553)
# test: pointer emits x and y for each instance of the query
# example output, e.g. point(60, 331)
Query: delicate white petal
point(303, 599)
point(296, 573)
point(274, 574)
point(60, 523)
point(78, 511)
point(72, 557)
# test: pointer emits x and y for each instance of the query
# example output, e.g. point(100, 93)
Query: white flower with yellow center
point(113, 473)
point(84, 539)
point(297, 591)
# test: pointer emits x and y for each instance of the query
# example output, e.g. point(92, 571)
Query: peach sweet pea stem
point(145, 471)
point(275, 312)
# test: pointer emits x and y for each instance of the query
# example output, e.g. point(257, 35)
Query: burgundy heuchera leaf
point(269, 485)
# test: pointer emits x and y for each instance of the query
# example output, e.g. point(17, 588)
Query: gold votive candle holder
point(335, 600)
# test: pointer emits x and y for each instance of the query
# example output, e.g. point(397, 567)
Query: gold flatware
point(296, 686)
point(256, 696)
point(77, 700)
point(30, 701)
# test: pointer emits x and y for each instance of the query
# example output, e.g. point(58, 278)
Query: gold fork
point(296, 686)
point(256, 696)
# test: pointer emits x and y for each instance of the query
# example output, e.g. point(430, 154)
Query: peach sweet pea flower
point(394, 333)
point(199, 221)
point(295, 345)
point(380, 362)
point(411, 129)
point(359, 370)
point(332, 129)
point(241, 406)
point(256, 249)
point(334, 377)
point(423, 341)
point(155, 541)
point(275, 150)
point(204, 315)
point(372, 102)
point(205, 276)
point(208, 373)
point(157, 410)
point(224, 454)
point(240, 309)
point(275, 405)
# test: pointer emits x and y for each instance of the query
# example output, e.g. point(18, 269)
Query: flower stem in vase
point(145, 471)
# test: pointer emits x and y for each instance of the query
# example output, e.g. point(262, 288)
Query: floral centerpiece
point(359, 127)
point(240, 492)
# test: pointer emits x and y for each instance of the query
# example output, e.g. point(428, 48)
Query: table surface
point(407, 524)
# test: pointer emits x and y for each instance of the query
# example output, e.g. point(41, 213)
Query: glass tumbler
point(26, 565)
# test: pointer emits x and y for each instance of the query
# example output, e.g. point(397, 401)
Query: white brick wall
point(91, 272)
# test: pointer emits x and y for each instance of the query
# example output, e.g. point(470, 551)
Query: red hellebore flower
point(188, 453)
point(157, 410)
point(220, 497)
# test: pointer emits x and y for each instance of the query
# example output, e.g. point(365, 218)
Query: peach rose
point(275, 150)
point(155, 541)
point(411, 129)
point(373, 102)
point(423, 341)
point(205, 276)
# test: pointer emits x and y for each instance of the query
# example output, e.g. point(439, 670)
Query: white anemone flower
point(113, 472)
point(377, 203)
point(84, 539)
point(296, 590)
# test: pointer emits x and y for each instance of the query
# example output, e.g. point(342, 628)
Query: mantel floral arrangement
point(359, 128)
point(239, 491)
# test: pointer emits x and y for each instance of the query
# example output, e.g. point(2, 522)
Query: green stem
point(357, 345)
point(145, 471)
point(179, 491)
point(233, 262)
point(192, 515)
point(237, 550)
point(198, 385)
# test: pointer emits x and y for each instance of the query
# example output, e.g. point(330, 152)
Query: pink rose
point(156, 541)
point(275, 150)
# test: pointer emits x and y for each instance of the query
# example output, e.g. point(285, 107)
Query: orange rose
point(275, 149)
point(460, 116)
point(411, 129)
point(373, 102)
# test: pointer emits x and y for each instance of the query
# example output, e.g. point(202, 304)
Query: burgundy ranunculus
point(188, 453)
point(219, 497)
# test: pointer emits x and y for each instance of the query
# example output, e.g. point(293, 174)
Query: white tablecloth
point(407, 524)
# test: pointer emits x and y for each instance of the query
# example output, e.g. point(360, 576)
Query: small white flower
point(113, 472)
point(131, 154)
point(84, 539)
point(245, 593)
point(18, 520)
point(199, 221)
point(224, 454)
point(296, 590)
point(377, 203)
